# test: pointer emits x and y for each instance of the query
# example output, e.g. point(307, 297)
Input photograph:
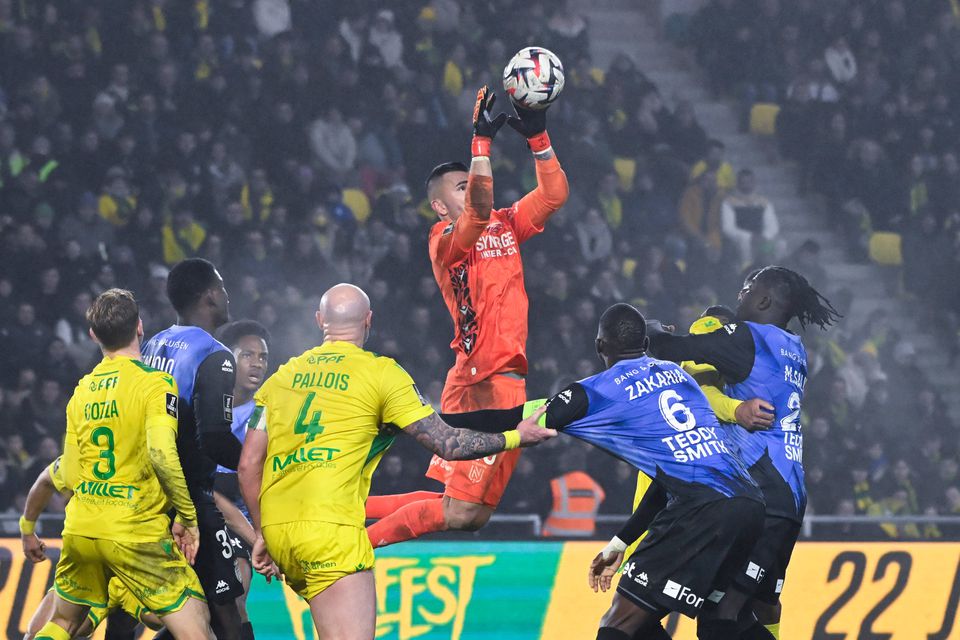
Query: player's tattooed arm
point(451, 443)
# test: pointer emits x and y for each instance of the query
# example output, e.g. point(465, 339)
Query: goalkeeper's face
point(448, 194)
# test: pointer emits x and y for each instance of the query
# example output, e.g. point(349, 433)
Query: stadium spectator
point(749, 221)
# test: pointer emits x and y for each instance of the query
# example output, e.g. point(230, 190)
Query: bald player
point(475, 252)
point(319, 427)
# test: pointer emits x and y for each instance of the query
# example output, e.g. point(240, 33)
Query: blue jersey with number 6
point(779, 375)
point(653, 415)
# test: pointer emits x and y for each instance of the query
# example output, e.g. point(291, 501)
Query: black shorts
point(228, 486)
point(692, 552)
point(763, 574)
point(216, 560)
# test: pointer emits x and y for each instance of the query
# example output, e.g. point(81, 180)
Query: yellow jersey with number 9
point(324, 412)
point(116, 493)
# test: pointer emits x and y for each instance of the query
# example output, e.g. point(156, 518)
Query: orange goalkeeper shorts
point(480, 481)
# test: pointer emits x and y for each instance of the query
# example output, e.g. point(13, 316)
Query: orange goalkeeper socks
point(408, 522)
point(382, 506)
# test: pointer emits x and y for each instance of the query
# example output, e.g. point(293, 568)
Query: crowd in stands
point(868, 91)
point(290, 148)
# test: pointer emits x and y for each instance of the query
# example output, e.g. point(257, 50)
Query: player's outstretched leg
point(191, 622)
point(408, 522)
point(65, 622)
point(378, 507)
point(347, 609)
point(626, 621)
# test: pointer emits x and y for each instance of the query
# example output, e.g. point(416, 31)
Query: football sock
point(246, 631)
point(756, 632)
point(611, 633)
point(382, 506)
point(51, 631)
point(410, 521)
point(717, 630)
point(774, 630)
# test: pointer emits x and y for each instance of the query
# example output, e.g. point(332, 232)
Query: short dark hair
point(443, 169)
point(188, 280)
point(231, 333)
point(113, 317)
point(623, 327)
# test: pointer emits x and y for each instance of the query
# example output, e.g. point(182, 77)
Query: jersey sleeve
point(213, 408)
point(452, 245)
point(567, 407)
point(731, 349)
point(531, 212)
point(162, 402)
point(70, 460)
point(56, 475)
point(400, 401)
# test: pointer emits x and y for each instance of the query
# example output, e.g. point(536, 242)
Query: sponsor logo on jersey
point(222, 587)
point(227, 366)
point(172, 401)
point(228, 407)
point(730, 328)
point(642, 579)
point(779, 586)
point(106, 489)
point(566, 395)
point(303, 455)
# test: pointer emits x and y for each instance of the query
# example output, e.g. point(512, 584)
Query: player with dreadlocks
point(757, 356)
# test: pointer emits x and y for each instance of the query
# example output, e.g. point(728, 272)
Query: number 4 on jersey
point(313, 428)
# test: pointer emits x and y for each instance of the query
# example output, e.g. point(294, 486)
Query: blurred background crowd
point(288, 143)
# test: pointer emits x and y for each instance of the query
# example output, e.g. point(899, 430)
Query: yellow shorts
point(155, 574)
point(314, 555)
point(118, 597)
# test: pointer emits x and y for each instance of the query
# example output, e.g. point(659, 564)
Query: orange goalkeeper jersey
point(482, 282)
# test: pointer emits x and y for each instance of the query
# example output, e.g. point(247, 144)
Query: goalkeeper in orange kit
point(475, 253)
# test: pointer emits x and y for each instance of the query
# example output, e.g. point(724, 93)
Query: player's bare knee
point(766, 612)
point(465, 516)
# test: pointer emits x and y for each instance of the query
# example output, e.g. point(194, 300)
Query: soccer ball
point(533, 78)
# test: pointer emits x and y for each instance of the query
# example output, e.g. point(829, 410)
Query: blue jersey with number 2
point(779, 375)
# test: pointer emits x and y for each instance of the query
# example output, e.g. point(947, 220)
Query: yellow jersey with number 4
point(324, 413)
point(116, 493)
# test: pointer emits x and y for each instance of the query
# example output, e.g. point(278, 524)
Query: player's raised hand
point(531, 433)
point(528, 122)
point(755, 414)
point(603, 568)
point(33, 547)
point(188, 539)
point(486, 125)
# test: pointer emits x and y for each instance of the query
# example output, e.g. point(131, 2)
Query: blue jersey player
point(248, 340)
point(653, 415)
point(205, 373)
point(758, 357)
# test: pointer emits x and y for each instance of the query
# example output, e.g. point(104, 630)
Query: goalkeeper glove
point(532, 125)
point(484, 126)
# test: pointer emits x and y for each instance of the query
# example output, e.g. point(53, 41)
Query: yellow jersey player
point(320, 426)
point(119, 598)
point(120, 462)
